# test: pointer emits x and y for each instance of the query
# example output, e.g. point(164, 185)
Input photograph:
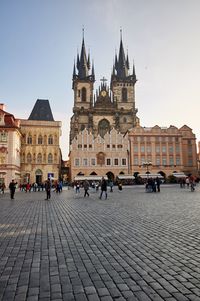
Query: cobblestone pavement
point(132, 246)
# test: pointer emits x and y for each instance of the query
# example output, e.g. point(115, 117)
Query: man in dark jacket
point(12, 187)
point(103, 188)
point(48, 189)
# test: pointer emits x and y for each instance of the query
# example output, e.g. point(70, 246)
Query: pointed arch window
point(50, 139)
point(124, 94)
point(83, 94)
point(29, 139)
point(39, 158)
point(29, 158)
point(50, 158)
point(40, 140)
point(103, 127)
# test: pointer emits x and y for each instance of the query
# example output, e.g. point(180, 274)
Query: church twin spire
point(83, 65)
point(120, 68)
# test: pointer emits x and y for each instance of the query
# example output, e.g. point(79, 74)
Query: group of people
point(188, 182)
point(153, 185)
point(103, 185)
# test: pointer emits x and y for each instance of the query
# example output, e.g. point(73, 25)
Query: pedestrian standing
point(12, 187)
point(103, 188)
point(48, 189)
point(111, 186)
point(158, 184)
point(86, 186)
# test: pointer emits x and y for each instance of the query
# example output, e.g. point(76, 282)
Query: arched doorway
point(38, 176)
point(110, 176)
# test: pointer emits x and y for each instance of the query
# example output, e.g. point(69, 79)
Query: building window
point(124, 161)
point(164, 161)
point(177, 148)
point(40, 140)
point(108, 145)
point(135, 149)
point(142, 148)
point(148, 149)
point(79, 93)
point(157, 149)
point(135, 160)
point(93, 161)
point(164, 149)
point(119, 146)
point(39, 158)
point(29, 158)
point(90, 145)
point(50, 158)
point(4, 136)
point(77, 162)
point(29, 140)
point(79, 145)
point(171, 161)
point(108, 161)
point(85, 162)
point(142, 160)
point(83, 94)
point(124, 95)
point(178, 161)
point(50, 140)
point(103, 127)
point(116, 161)
point(113, 146)
point(158, 161)
point(190, 162)
point(171, 149)
point(85, 145)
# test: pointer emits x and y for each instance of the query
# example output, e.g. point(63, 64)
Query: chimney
point(2, 106)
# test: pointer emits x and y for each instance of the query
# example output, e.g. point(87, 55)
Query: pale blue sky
point(39, 40)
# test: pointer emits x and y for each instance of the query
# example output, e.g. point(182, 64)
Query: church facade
point(104, 116)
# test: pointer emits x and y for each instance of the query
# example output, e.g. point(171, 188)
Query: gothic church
point(108, 108)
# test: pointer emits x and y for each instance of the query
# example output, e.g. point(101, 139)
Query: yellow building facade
point(40, 147)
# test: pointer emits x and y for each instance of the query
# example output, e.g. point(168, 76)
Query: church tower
point(123, 90)
point(83, 82)
point(112, 106)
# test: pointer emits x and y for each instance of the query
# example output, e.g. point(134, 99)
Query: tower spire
point(122, 64)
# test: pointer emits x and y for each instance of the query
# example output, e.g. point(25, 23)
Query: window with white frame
point(164, 148)
point(135, 149)
point(93, 161)
point(148, 148)
point(116, 161)
point(171, 161)
point(108, 161)
point(157, 148)
point(77, 162)
point(142, 148)
point(123, 161)
point(4, 136)
point(135, 160)
point(85, 161)
point(178, 161)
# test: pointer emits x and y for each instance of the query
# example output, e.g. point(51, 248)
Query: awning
point(90, 178)
point(125, 177)
point(150, 175)
point(179, 175)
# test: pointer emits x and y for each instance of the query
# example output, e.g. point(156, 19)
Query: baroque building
point(168, 150)
point(10, 145)
point(40, 150)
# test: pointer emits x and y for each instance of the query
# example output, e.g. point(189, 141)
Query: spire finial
point(120, 33)
point(83, 31)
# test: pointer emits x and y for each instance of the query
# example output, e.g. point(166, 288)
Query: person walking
point(86, 186)
point(48, 189)
point(12, 187)
point(111, 186)
point(158, 184)
point(103, 188)
point(3, 187)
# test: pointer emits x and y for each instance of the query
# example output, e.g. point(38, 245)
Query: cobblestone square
point(132, 246)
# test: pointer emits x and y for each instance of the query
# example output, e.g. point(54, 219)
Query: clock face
point(103, 93)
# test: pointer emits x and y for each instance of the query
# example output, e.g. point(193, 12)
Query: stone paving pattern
point(132, 246)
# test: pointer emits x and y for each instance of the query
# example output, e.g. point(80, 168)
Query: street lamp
point(147, 164)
